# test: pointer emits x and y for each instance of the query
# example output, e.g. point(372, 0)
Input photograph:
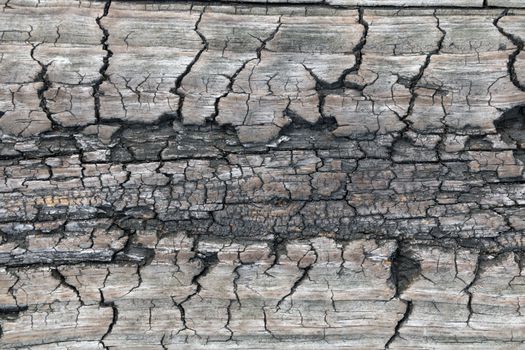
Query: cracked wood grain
point(236, 174)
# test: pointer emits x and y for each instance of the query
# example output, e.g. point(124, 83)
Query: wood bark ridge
point(324, 174)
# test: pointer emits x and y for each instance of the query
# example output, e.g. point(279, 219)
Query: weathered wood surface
point(184, 175)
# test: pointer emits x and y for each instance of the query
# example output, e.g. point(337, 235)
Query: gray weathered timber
point(218, 175)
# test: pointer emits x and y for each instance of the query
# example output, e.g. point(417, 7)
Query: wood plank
point(179, 175)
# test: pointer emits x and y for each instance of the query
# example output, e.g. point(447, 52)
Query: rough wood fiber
point(503, 3)
point(181, 175)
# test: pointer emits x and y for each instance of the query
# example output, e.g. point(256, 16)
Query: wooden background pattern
point(284, 174)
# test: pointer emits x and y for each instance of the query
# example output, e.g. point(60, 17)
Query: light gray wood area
point(423, 3)
point(504, 3)
point(217, 175)
point(317, 293)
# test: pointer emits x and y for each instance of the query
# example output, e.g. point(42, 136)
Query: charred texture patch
point(511, 126)
point(404, 270)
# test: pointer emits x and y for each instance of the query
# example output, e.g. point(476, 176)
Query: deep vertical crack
point(234, 76)
point(105, 60)
point(182, 312)
point(104, 303)
point(208, 261)
point(265, 322)
point(112, 324)
point(178, 82)
point(324, 88)
point(304, 275)
point(518, 42)
point(228, 320)
point(400, 323)
point(467, 291)
point(358, 50)
point(46, 85)
point(139, 279)
point(403, 270)
point(162, 342)
point(413, 84)
point(63, 282)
